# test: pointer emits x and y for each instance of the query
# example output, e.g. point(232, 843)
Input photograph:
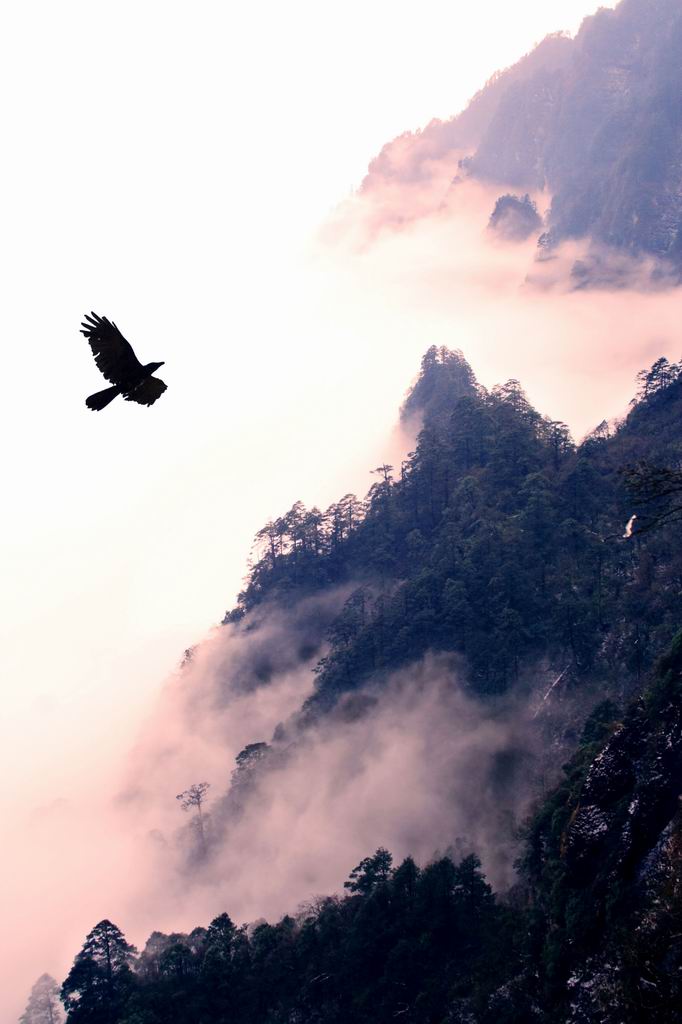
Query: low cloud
point(417, 765)
point(413, 256)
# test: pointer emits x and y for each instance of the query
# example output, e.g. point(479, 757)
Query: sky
point(168, 165)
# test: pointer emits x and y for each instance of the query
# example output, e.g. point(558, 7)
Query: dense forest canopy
point(498, 537)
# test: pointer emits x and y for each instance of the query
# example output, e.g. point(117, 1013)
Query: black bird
point(115, 358)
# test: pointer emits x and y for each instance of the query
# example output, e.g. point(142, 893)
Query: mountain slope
point(604, 135)
point(500, 540)
point(596, 121)
point(410, 154)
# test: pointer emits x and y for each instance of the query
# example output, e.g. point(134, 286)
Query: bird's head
point(155, 366)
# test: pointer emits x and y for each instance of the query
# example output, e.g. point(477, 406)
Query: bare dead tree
point(195, 797)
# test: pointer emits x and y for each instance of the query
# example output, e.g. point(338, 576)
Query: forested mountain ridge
point(466, 130)
point(598, 126)
point(498, 538)
point(501, 541)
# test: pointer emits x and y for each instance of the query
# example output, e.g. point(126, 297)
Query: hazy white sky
point(164, 164)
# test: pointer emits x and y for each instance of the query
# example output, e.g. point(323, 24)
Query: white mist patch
point(413, 259)
point(417, 766)
point(234, 688)
point(110, 847)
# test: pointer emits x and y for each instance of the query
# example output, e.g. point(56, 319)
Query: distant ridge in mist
point(594, 121)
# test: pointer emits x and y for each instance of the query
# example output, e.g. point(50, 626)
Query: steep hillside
point(604, 860)
point(497, 551)
point(410, 154)
point(498, 538)
point(604, 134)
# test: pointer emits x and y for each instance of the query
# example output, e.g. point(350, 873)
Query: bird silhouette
point(118, 363)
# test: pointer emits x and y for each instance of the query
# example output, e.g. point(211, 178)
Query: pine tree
point(370, 873)
point(100, 980)
point(43, 1006)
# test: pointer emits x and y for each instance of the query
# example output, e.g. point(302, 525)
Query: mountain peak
point(445, 376)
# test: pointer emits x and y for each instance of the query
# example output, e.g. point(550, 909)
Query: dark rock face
point(631, 791)
point(612, 772)
point(609, 880)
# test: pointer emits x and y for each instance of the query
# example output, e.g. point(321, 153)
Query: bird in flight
point(118, 363)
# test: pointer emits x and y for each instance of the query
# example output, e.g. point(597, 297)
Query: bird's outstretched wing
point(148, 392)
point(114, 355)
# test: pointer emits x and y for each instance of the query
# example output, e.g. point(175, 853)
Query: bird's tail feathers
point(102, 398)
